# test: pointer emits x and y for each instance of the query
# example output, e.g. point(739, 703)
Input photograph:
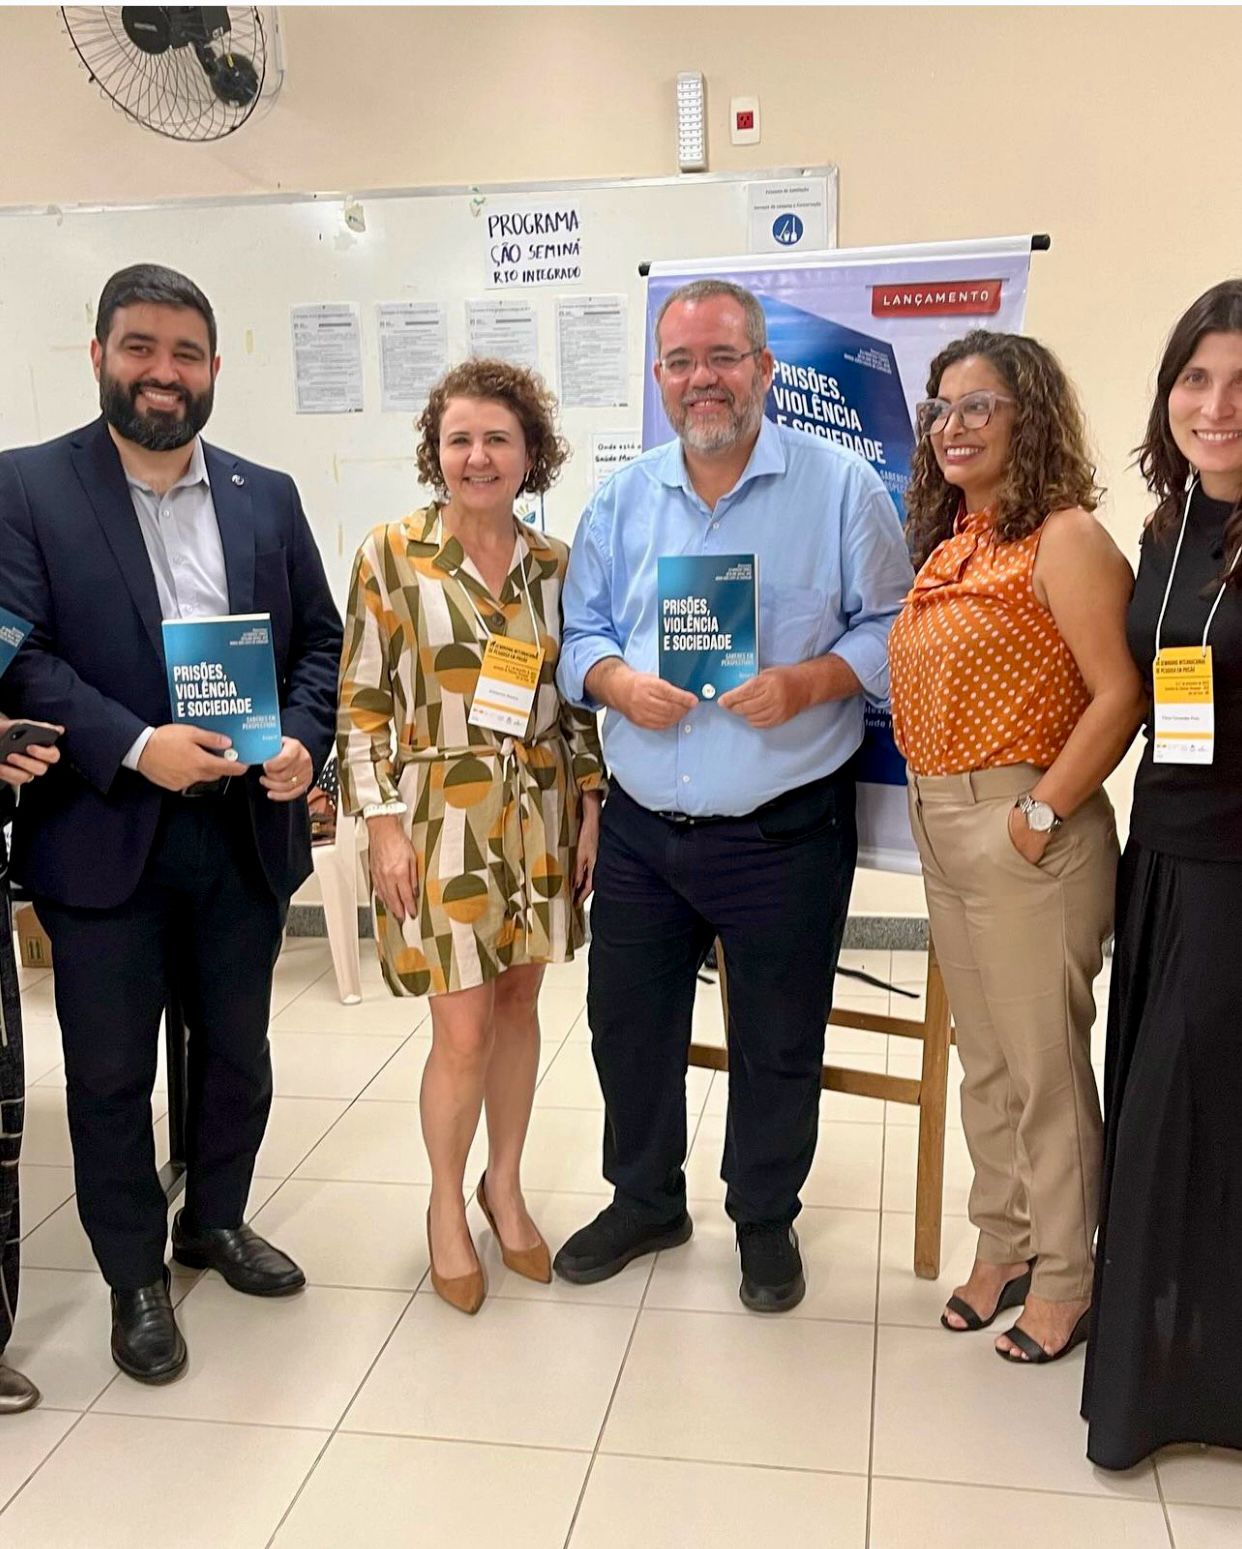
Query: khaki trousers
point(1020, 946)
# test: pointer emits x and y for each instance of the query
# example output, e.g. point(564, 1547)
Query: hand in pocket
point(1029, 844)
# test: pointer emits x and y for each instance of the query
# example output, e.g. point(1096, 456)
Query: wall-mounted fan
point(191, 72)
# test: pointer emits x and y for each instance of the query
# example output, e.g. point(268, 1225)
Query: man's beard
point(155, 431)
point(739, 419)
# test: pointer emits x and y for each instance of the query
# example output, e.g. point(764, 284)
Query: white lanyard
point(504, 693)
point(1191, 482)
point(1183, 720)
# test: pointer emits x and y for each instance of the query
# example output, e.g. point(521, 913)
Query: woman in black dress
point(1164, 1363)
point(16, 1391)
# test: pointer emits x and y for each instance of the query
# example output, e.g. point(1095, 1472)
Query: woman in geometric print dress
point(482, 845)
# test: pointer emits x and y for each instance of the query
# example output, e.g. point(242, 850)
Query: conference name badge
point(508, 679)
point(1184, 720)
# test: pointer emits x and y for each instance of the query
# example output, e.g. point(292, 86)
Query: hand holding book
point(771, 698)
point(176, 757)
point(289, 774)
point(640, 697)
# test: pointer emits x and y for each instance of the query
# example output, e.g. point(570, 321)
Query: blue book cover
point(709, 621)
point(844, 386)
point(12, 632)
point(222, 677)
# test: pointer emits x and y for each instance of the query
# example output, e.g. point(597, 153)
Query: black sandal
point(1034, 1352)
point(1013, 1294)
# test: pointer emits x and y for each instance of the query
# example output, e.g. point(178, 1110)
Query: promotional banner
point(853, 332)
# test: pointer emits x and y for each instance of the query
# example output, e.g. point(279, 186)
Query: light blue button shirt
point(182, 539)
point(833, 573)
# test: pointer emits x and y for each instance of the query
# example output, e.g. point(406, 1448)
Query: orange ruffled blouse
point(981, 676)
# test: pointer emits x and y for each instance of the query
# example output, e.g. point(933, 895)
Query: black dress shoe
point(240, 1256)
point(772, 1278)
point(17, 1392)
point(606, 1246)
point(146, 1342)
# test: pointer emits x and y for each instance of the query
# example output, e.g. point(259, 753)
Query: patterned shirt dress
point(493, 820)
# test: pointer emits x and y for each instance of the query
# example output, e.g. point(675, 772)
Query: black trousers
point(12, 1109)
point(204, 918)
point(775, 887)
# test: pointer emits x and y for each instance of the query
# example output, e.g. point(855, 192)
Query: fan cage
point(171, 92)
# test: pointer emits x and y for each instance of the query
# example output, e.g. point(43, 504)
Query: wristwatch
point(1040, 818)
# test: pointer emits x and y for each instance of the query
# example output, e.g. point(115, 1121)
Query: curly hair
point(1049, 467)
point(522, 392)
point(1163, 464)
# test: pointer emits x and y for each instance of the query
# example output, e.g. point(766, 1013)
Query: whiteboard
point(257, 258)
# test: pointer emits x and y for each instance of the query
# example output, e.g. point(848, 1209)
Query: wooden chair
point(929, 1094)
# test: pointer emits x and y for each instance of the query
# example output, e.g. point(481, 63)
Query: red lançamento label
point(939, 298)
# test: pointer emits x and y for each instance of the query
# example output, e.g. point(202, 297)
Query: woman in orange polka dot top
point(1014, 695)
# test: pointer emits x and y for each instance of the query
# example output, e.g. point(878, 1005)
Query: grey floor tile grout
point(875, 1337)
point(781, 1322)
point(118, 1376)
point(1021, 1489)
point(1164, 1505)
point(297, 1494)
point(43, 1461)
point(769, 1468)
point(638, 1313)
point(94, 1406)
point(240, 1425)
point(858, 1210)
point(697, 1117)
point(424, 1183)
point(464, 1441)
point(336, 1430)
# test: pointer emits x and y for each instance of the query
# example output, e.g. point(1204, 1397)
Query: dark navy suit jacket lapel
point(98, 466)
point(230, 494)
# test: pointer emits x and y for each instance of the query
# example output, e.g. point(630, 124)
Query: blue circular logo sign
point(788, 229)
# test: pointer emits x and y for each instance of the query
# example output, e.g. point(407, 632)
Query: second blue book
point(222, 677)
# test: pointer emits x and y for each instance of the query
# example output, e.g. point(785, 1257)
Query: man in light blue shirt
point(734, 818)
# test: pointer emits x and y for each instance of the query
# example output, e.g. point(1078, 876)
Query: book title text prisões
point(204, 689)
point(689, 625)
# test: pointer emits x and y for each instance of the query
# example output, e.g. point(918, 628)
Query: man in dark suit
point(153, 858)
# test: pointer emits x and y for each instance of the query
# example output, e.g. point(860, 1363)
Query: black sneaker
point(772, 1279)
point(606, 1246)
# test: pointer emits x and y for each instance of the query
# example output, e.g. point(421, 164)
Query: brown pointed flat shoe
point(534, 1263)
point(464, 1292)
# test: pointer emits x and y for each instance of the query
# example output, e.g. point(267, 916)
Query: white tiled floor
point(650, 1410)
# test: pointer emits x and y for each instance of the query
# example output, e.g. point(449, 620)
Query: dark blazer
point(73, 563)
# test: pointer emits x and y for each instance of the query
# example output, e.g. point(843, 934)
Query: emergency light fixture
point(691, 122)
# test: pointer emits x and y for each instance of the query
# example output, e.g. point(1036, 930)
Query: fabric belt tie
point(514, 756)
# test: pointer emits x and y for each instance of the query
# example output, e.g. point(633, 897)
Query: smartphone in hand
point(17, 736)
